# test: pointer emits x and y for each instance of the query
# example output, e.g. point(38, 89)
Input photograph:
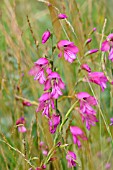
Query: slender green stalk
point(50, 153)
point(67, 116)
point(24, 99)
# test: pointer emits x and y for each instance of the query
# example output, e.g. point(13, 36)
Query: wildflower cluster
point(52, 90)
point(53, 84)
point(87, 113)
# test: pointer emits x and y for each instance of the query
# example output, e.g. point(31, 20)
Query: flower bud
point(62, 16)
point(88, 41)
point(91, 52)
point(86, 67)
point(26, 103)
point(45, 36)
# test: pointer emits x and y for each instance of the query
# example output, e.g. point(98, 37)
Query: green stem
point(24, 99)
point(49, 155)
point(67, 115)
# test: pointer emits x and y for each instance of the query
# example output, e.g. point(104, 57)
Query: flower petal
point(105, 46)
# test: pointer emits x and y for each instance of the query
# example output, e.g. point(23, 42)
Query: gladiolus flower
point(71, 157)
point(54, 122)
point(98, 78)
point(86, 67)
point(89, 119)
point(107, 45)
point(68, 49)
point(110, 57)
point(62, 16)
point(45, 103)
point(77, 133)
point(38, 70)
point(55, 82)
point(20, 123)
point(86, 101)
point(45, 36)
point(22, 129)
point(86, 111)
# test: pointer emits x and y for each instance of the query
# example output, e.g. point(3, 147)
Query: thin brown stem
point(32, 33)
point(24, 99)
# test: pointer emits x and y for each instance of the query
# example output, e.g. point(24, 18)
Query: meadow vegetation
point(32, 138)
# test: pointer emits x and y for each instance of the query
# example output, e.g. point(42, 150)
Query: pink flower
point(91, 51)
point(54, 122)
point(90, 120)
point(68, 49)
point(107, 45)
point(94, 29)
point(22, 129)
point(71, 157)
point(108, 166)
point(43, 166)
point(38, 70)
point(45, 36)
point(98, 78)
point(86, 101)
point(20, 123)
point(26, 103)
point(110, 57)
point(86, 67)
point(45, 103)
point(86, 111)
point(55, 82)
point(77, 133)
point(62, 16)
